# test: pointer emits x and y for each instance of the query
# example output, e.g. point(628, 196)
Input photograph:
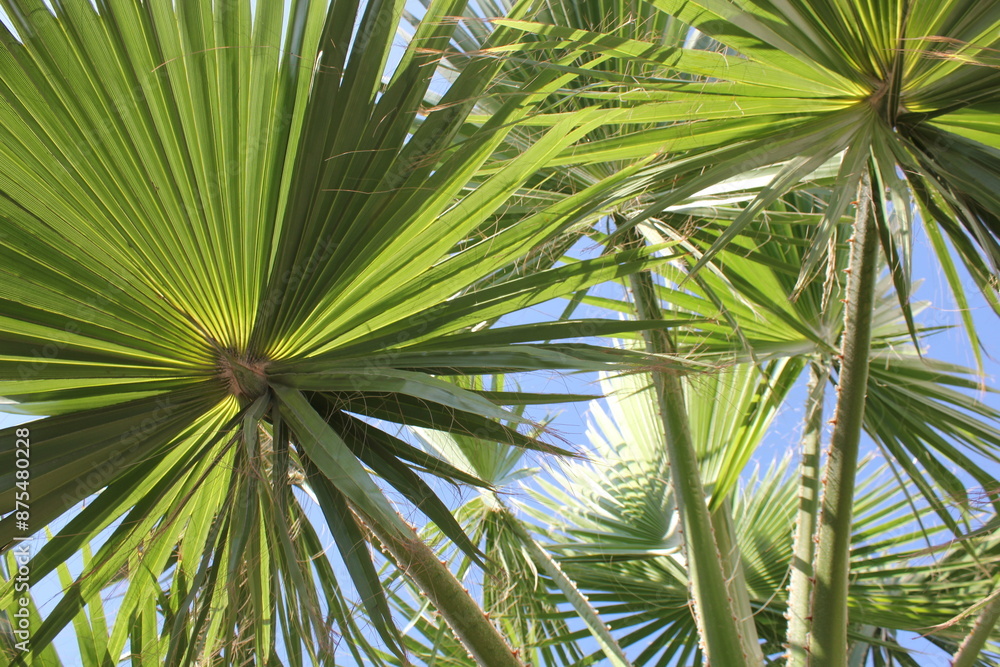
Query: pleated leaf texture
point(237, 250)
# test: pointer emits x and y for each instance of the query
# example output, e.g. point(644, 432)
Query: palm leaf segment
point(226, 244)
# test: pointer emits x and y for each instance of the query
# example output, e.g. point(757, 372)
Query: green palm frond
point(248, 249)
point(792, 87)
point(221, 224)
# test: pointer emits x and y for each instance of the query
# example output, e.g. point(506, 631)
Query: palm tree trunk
point(828, 643)
point(718, 624)
point(804, 548)
point(479, 636)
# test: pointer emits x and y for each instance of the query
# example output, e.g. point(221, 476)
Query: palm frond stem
point(719, 627)
point(732, 563)
point(968, 652)
point(803, 546)
point(581, 605)
point(828, 638)
point(466, 618)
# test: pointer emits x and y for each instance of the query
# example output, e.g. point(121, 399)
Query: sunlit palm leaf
point(796, 85)
point(222, 228)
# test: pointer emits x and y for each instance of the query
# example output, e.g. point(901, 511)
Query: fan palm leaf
point(229, 246)
point(618, 539)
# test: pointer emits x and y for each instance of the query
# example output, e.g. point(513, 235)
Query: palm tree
point(232, 250)
point(610, 523)
point(914, 414)
point(618, 541)
point(896, 93)
point(244, 240)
